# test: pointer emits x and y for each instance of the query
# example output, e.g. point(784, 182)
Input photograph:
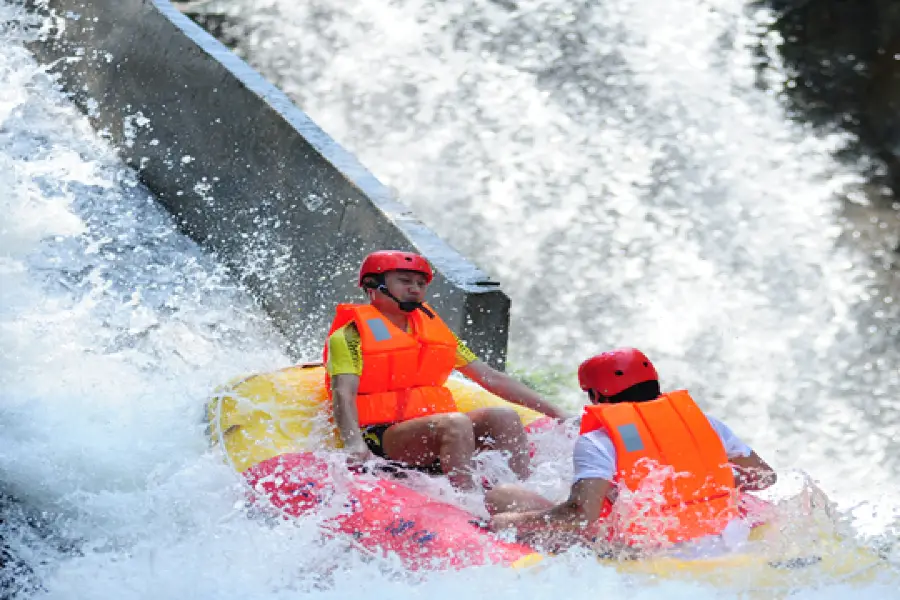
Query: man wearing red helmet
point(387, 363)
point(650, 470)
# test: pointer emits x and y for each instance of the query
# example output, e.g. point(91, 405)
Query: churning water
point(613, 164)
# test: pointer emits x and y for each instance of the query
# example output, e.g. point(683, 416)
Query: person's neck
point(399, 319)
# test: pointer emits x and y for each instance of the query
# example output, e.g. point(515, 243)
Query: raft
point(275, 429)
point(265, 415)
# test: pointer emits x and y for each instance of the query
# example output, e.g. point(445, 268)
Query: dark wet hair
point(640, 392)
point(372, 281)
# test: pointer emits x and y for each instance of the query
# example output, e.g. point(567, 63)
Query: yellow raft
point(266, 415)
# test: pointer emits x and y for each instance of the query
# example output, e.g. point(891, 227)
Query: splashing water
point(113, 330)
point(617, 167)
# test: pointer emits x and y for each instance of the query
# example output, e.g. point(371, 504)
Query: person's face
point(406, 286)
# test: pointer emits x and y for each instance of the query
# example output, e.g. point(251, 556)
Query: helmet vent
point(646, 364)
point(619, 373)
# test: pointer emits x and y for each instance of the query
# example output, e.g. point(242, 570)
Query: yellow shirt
point(345, 352)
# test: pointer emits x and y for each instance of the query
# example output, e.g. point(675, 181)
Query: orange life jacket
point(403, 373)
point(674, 467)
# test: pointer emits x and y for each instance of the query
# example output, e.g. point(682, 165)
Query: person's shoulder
point(716, 422)
point(344, 330)
point(344, 339)
point(592, 450)
point(597, 437)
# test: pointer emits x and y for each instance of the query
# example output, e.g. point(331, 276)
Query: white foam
point(113, 330)
point(615, 166)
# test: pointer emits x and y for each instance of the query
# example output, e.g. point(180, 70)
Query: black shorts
point(374, 438)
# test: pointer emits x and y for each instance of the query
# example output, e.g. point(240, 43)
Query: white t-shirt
point(594, 456)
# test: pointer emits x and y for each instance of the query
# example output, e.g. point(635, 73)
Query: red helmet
point(383, 261)
point(615, 371)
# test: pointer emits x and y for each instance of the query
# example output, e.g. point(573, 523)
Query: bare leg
point(511, 498)
point(502, 429)
point(419, 442)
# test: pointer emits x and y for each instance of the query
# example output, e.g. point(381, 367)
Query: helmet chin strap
point(406, 307)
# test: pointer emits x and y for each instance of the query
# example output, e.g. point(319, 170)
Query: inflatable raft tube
point(265, 415)
point(274, 427)
point(772, 566)
point(381, 515)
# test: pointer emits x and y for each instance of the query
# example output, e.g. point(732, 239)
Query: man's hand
point(573, 420)
point(753, 473)
point(358, 454)
point(344, 388)
point(551, 410)
point(503, 521)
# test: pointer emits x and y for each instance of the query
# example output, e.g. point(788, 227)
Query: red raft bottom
point(383, 516)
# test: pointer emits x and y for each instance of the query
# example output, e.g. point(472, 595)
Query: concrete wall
point(247, 174)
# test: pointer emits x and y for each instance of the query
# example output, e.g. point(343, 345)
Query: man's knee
point(455, 426)
point(498, 422)
point(505, 417)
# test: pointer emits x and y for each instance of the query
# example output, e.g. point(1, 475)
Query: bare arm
point(509, 389)
point(575, 514)
point(753, 473)
point(343, 400)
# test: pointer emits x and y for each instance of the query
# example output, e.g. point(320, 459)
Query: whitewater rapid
point(631, 176)
point(114, 329)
